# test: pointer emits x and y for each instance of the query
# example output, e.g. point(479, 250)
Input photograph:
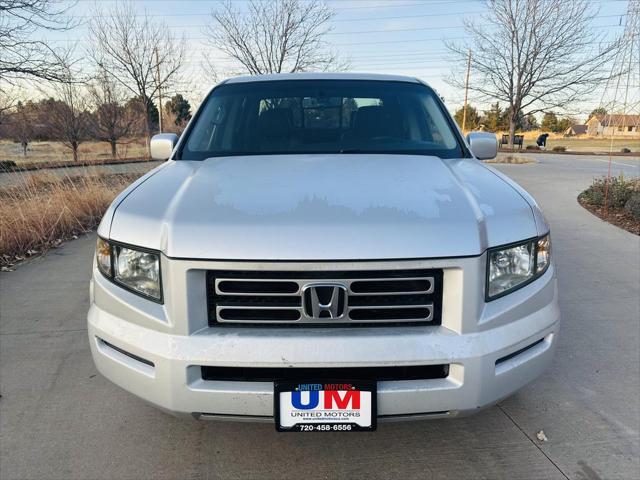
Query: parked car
point(323, 251)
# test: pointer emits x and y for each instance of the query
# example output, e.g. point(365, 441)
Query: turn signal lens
point(103, 257)
point(543, 253)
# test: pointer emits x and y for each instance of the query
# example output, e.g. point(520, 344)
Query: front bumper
point(163, 368)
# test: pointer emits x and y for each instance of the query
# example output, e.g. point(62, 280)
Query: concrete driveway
point(60, 419)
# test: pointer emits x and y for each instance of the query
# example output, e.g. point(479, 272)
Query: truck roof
point(322, 76)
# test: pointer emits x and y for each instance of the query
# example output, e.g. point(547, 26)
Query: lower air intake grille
point(344, 298)
point(380, 374)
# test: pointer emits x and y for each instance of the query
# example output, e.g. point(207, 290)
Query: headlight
point(512, 267)
point(135, 269)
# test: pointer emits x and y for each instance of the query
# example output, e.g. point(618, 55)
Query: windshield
point(320, 116)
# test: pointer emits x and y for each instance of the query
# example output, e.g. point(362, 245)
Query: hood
point(322, 207)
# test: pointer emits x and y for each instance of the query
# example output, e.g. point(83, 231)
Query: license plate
point(325, 406)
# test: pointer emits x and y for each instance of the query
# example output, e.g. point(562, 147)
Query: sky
point(383, 36)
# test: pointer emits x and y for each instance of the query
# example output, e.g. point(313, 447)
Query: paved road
point(60, 419)
point(16, 178)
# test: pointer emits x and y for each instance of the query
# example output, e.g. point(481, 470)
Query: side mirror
point(484, 145)
point(162, 145)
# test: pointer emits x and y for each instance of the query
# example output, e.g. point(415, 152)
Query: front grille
point(345, 298)
point(379, 374)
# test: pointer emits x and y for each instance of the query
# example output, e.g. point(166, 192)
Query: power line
point(368, 7)
point(363, 19)
point(357, 33)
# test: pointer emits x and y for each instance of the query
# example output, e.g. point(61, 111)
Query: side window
point(436, 124)
point(210, 128)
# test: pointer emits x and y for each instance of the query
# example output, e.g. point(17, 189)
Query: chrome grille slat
point(258, 307)
point(430, 280)
point(255, 280)
point(302, 283)
point(369, 307)
point(398, 309)
point(281, 298)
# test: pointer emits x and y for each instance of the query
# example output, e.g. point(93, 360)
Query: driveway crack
point(533, 442)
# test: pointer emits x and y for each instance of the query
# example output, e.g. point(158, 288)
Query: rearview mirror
point(484, 145)
point(162, 145)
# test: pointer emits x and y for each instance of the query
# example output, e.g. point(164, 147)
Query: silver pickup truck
point(323, 251)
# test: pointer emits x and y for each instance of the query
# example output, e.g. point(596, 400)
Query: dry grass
point(583, 143)
point(590, 144)
point(46, 209)
point(56, 151)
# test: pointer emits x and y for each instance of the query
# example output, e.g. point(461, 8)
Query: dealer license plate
point(325, 406)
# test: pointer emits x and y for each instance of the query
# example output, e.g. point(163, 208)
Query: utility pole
point(159, 89)
point(626, 94)
point(466, 93)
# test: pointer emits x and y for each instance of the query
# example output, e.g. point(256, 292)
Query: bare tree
point(111, 121)
point(274, 37)
point(138, 52)
point(20, 54)
point(66, 114)
point(535, 55)
point(7, 102)
point(21, 124)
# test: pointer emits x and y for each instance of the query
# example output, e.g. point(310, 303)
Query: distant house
point(614, 124)
point(574, 130)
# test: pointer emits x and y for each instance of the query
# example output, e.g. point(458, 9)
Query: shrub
point(619, 192)
point(633, 205)
point(532, 147)
point(7, 165)
point(594, 195)
point(625, 150)
point(559, 149)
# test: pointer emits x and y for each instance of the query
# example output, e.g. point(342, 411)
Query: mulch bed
point(615, 216)
point(511, 159)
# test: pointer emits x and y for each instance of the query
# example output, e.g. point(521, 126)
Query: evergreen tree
point(565, 123)
point(137, 105)
point(473, 117)
point(495, 119)
point(549, 122)
point(180, 108)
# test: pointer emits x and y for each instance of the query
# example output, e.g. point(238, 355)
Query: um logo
point(341, 400)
